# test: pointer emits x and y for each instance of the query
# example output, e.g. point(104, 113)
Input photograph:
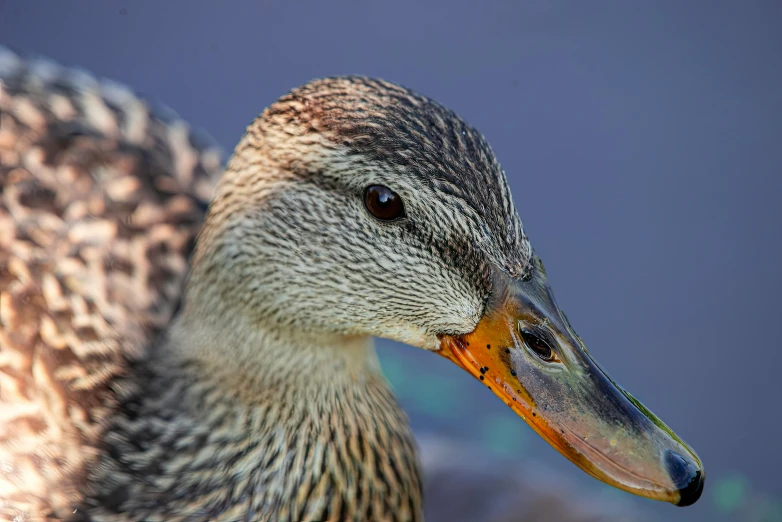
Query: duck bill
point(568, 399)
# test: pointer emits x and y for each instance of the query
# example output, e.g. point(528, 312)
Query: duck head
point(355, 207)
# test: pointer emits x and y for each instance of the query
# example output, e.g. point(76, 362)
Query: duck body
point(161, 360)
point(102, 199)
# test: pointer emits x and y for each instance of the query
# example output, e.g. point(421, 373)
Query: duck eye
point(383, 203)
point(538, 345)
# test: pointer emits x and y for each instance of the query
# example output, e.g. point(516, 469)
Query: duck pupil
point(383, 203)
point(537, 345)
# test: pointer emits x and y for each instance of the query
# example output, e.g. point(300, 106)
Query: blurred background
point(642, 141)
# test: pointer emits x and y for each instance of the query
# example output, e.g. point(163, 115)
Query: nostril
point(538, 345)
point(686, 476)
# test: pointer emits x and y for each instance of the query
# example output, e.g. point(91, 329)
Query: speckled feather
point(262, 399)
point(101, 197)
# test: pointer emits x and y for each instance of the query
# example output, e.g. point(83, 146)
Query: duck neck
point(306, 424)
point(253, 361)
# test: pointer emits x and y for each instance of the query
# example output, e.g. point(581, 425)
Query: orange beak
point(525, 351)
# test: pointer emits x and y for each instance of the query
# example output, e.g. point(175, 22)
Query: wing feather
point(101, 197)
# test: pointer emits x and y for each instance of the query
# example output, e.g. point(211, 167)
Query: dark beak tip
point(687, 476)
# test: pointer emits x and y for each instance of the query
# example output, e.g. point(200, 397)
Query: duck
point(183, 340)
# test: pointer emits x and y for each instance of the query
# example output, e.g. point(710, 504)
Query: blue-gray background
point(642, 141)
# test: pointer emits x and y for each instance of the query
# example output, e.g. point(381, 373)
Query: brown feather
point(100, 202)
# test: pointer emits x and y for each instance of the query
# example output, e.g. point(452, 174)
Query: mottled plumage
point(101, 199)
